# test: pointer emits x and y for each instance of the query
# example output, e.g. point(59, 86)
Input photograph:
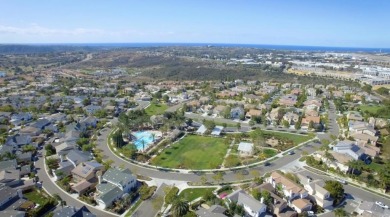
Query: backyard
point(36, 196)
point(193, 152)
point(156, 109)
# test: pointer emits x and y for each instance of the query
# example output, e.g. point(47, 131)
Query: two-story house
point(290, 189)
point(251, 206)
point(113, 184)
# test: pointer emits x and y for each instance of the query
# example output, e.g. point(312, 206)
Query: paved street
point(146, 208)
point(50, 187)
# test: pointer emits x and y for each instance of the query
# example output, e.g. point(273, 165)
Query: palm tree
point(143, 145)
point(153, 135)
point(179, 207)
point(339, 212)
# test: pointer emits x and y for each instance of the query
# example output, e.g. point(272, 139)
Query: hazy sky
point(346, 23)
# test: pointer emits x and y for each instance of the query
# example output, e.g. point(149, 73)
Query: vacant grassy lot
point(296, 139)
point(191, 194)
point(156, 109)
point(193, 152)
point(269, 152)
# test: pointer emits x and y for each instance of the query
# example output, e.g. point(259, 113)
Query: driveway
point(146, 208)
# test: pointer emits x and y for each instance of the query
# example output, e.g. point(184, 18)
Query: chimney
point(99, 176)
point(61, 158)
point(20, 193)
point(261, 200)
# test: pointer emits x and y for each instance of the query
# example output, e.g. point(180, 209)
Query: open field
point(193, 152)
point(156, 109)
point(191, 194)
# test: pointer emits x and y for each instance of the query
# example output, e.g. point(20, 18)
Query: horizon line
point(188, 43)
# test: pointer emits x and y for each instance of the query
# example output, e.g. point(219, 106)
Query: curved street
point(229, 176)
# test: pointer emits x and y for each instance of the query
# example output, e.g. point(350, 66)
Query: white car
point(310, 213)
point(381, 205)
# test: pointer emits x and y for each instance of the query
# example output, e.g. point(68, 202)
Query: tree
point(203, 179)
point(179, 207)
point(256, 193)
point(286, 124)
point(267, 199)
point(356, 166)
point(335, 189)
point(59, 199)
point(311, 125)
point(340, 212)
point(218, 177)
point(238, 125)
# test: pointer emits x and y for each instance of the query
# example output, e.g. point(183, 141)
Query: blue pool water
point(142, 136)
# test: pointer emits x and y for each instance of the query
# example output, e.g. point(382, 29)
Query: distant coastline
point(260, 46)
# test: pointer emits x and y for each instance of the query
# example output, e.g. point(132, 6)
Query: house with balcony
point(316, 190)
point(290, 189)
point(252, 207)
point(113, 185)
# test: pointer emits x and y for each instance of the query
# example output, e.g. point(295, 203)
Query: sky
point(337, 23)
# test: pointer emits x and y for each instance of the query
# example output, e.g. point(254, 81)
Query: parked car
point(342, 181)
point(291, 152)
point(310, 213)
point(267, 163)
point(381, 204)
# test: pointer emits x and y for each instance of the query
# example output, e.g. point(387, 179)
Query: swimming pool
point(142, 137)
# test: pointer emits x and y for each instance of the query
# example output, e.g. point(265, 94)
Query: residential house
point(18, 140)
point(71, 211)
point(19, 118)
point(237, 112)
point(301, 205)
point(113, 184)
point(245, 148)
point(311, 91)
point(213, 211)
point(306, 120)
point(253, 113)
point(337, 161)
point(291, 118)
point(288, 100)
point(85, 176)
point(8, 194)
point(76, 157)
point(354, 116)
point(350, 148)
point(91, 109)
point(219, 109)
point(278, 207)
point(251, 206)
point(316, 190)
point(290, 189)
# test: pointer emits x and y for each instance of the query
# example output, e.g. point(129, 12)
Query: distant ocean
point(262, 46)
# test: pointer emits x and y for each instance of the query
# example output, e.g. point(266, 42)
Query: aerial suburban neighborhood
point(89, 140)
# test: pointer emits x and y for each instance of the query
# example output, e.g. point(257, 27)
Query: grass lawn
point(156, 109)
point(269, 152)
point(297, 139)
point(36, 196)
point(191, 194)
point(374, 166)
point(370, 108)
point(193, 152)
